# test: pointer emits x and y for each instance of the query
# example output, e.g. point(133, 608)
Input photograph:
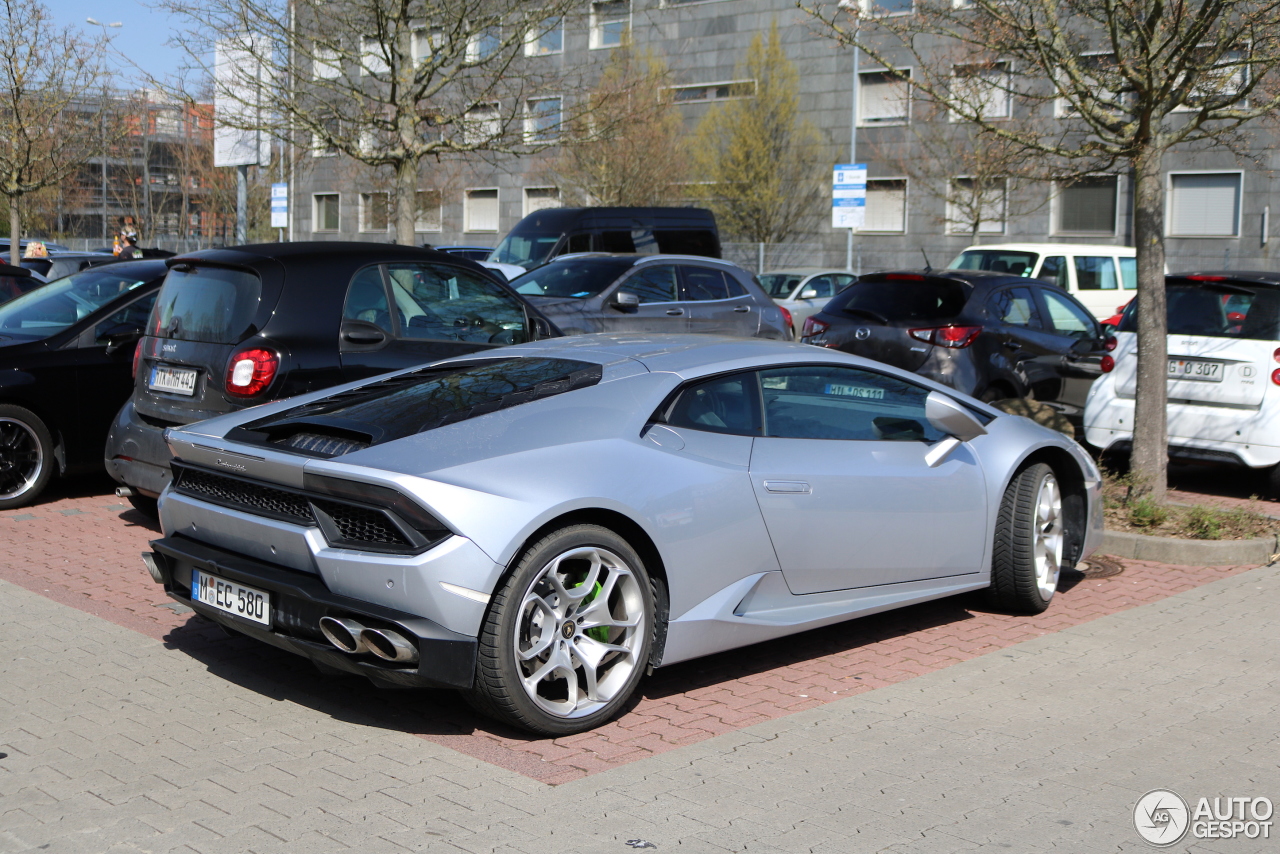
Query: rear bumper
point(446, 659)
point(136, 453)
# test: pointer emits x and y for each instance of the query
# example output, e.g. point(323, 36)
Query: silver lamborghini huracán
point(538, 526)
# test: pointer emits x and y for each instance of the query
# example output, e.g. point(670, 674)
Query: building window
point(881, 8)
point(610, 20)
point(320, 147)
point(326, 64)
point(1087, 206)
point(427, 217)
point(972, 201)
point(1204, 204)
point(373, 57)
point(883, 97)
point(713, 91)
point(484, 44)
point(540, 198)
point(481, 210)
point(425, 42)
point(482, 123)
point(886, 205)
point(168, 122)
point(1098, 70)
point(324, 215)
point(546, 38)
point(375, 211)
point(984, 89)
point(541, 120)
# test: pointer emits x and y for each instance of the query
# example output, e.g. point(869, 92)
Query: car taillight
point(786, 318)
point(1276, 354)
point(1275, 376)
point(250, 371)
point(1109, 343)
point(813, 326)
point(953, 337)
point(1107, 364)
point(137, 354)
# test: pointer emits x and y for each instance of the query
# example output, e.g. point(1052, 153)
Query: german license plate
point(231, 597)
point(176, 380)
point(1194, 369)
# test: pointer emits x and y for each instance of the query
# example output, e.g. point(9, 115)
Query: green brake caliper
point(597, 633)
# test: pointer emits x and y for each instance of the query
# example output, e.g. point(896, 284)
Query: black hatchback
point(242, 326)
point(990, 335)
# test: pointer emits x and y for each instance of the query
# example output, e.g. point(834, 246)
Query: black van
point(544, 234)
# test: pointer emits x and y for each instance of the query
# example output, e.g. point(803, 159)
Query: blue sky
point(141, 38)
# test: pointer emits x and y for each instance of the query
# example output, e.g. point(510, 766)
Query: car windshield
point(580, 278)
point(779, 285)
point(996, 260)
point(896, 300)
point(209, 304)
point(50, 309)
point(525, 250)
point(1215, 310)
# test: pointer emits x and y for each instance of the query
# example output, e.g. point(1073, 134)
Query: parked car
point(1094, 274)
point(1224, 380)
point(16, 281)
point(58, 264)
point(471, 253)
point(65, 353)
point(241, 326)
point(803, 291)
point(990, 335)
point(539, 526)
point(601, 292)
point(552, 232)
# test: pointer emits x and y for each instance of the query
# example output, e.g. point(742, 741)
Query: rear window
point(213, 305)
point(902, 300)
point(997, 261)
point(1218, 311)
point(579, 278)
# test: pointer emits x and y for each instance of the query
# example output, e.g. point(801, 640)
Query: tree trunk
point(15, 232)
point(1150, 460)
point(406, 200)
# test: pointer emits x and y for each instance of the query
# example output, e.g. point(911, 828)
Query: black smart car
point(990, 335)
point(238, 327)
point(65, 353)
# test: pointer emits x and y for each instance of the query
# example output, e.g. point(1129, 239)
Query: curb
point(1257, 551)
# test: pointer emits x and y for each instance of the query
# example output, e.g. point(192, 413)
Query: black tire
point(1024, 573)
point(568, 555)
point(146, 505)
point(1273, 482)
point(26, 456)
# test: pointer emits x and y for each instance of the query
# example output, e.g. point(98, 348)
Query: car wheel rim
point(21, 458)
point(579, 632)
point(1049, 537)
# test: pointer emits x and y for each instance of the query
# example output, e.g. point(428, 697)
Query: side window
point(653, 284)
point(1095, 273)
point(615, 241)
point(133, 314)
point(1129, 273)
point(829, 402)
point(702, 284)
point(443, 302)
point(578, 243)
point(1015, 306)
point(1054, 271)
point(367, 299)
point(728, 404)
point(1068, 318)
point(735, 287)
point(842, 282)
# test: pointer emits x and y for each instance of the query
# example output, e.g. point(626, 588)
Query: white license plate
point(1194, 369)
point(231, 597)
point(176, 380)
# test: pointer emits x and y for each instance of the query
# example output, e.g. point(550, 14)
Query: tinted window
point(526, 250)
point(690, 241)
point(12, 286)
point(576, 278)
point(702, 284)
point(57, 305)
point(1095, 273)
point(653, 284)
point(722, 405)
point(1054, 271)
point(823, 285)
point(1229, 311)
point(135, 314)
point(828, 402)
point(930, 299)
point(1129, 273)
point(1015, 306)
point(1068, 318)
point(995, 260)
point(443, 302)
point(209, 304)
point(367, 299)
point(779, 285)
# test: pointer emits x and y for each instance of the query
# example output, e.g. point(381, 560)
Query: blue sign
point(279, 205)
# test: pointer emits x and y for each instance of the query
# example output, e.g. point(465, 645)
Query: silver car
point(539, 525)
point(614, 292)
point(803, 291)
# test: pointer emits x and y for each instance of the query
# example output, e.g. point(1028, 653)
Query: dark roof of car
point(1259, 277)
point(315, 250)
point(10, 270)
point(968, 277)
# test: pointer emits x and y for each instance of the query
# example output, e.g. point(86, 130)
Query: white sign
point(238, 77)
point(279, 205)
point(849, 195)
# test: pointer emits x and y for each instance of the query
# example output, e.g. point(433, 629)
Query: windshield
point(996, 261)
point(580, 278)
point(931, 300)
point(779, 285)
point(209, 304)
point(50, 309)
point(1217, 311)
point(525, 250)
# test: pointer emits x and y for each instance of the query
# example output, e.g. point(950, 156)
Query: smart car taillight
point(813, 326)
point(1276, 354)
point(952, 337)
point(1107, 364)
point(1109, 343)
point(251, 371)
point(137, 355)
point(1275, 376)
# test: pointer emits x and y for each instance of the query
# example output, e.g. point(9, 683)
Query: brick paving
point(1221, 487)
point(81, 548)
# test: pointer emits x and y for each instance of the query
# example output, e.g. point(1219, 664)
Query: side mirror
point(626, 299)
point(951, 418)
point(808, 293)
point(120, 336)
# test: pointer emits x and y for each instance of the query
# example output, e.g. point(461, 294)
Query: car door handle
point(364, 336)
point(1013, 346)
point(742, 308)
point(788, 487)
point(675, 312)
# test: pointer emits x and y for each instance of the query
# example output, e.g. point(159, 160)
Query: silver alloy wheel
point(579, 632)
point(1049, 536)
point(21, 458)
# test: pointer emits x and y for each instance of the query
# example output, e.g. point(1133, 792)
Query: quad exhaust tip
point(389, 646)
point(346, 635)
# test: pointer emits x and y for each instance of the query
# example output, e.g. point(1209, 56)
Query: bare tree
point(49, 119)
point(393, 83)
point(1088, 86)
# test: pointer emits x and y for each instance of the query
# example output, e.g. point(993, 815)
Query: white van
point(1102, 277)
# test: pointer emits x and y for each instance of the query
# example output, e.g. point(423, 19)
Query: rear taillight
point(137, 355)
point(1276, 354)
point(952, 337)
point(1275, 376)
point(786, 318)
point(1109, 343)
point(1107, 364)
point(250, 371)
point(813, 326)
